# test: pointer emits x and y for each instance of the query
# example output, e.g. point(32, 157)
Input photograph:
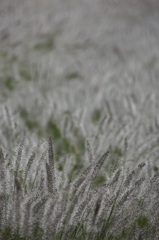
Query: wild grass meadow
point(79, 120)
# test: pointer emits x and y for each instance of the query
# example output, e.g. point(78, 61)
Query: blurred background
point(78, 70)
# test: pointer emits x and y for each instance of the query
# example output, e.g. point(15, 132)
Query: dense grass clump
point(79, 120)
point(39, 202)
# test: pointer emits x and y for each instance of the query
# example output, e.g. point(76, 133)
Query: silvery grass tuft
point(37, 201)
point(85, 74)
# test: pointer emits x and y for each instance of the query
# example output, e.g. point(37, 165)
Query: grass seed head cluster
point(79, 122)
point(37, 201)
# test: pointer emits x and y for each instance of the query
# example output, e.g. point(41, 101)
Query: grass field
point(79, 119)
